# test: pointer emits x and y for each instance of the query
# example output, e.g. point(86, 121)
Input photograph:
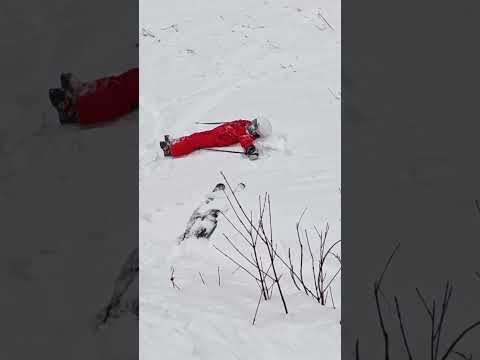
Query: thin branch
point(357, 350)
point(291, 270)
point(256, 310)
point(387, 264)
point(379, 310)
point(333, 278)
point(172, 279)
point(432, 331)
point(402, 328)
point(459, 337)
point(313, 266)
point(382, 324)
point(272, 259)
point(236, 199)
point(294, 273)
point(331, 296)
point(246, 258)
point(424, 303)
point(236, 229)
point(236, 263)
point(325, 20)
point(330, 248)
point(234, 271)
point(446, 299)
point(463, 356)
point(301, 258)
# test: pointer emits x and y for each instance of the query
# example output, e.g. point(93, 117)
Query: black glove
point(252, 153)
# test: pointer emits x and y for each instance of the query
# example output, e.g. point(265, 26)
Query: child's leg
point(187, 144)
point(108, 98)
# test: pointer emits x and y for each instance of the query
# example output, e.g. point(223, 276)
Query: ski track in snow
point(222, 61)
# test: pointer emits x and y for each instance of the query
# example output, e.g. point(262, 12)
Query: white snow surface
point(223, 60)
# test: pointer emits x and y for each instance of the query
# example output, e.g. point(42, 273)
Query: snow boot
point(63, 103)
point(165, 145)
point(71, 84)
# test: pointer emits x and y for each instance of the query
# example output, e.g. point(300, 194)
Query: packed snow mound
point(222, 61)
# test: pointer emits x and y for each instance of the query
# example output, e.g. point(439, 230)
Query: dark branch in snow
point(172, 279)
point(201, 277)
point(319, 14)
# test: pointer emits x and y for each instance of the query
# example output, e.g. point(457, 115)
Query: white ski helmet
point(263, 127)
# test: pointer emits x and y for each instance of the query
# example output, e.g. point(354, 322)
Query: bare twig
point(201, 277)
point(402, 328)
point(317, 289)
point(291, 270)
point(357, 350)
point(320, 276)
point(147, 33)
point(331, 280)
point(218, 272)
point(463, 356)
point(173, 26)
point(272, 259)
point(459, 337)
point(333, 94)
point(301, 259)
point(239, 252)
point(331, 296)
point(377, 286)
point(446, 300)
point(236, 263)
point(424, 303)
point(172, 278)
point(258, 305)
point(325, 20)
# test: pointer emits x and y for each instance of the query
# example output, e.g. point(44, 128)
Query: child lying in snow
point(239, 131)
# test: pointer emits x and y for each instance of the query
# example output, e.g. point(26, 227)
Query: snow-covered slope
point(223, 60)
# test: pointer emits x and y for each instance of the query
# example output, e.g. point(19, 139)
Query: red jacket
point(226, 134)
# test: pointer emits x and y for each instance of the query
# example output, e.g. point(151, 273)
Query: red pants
point(187, 144)
point(108, 98)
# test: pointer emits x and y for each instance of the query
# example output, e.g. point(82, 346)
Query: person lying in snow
point(89, 103)
point(239, 131)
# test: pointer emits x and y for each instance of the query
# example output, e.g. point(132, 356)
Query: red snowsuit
point(108, 98)
point(224, 135)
